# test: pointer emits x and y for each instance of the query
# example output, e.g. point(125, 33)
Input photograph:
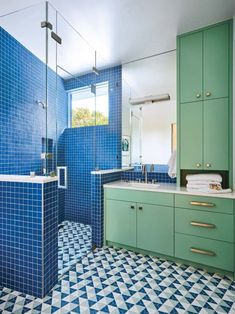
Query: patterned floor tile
point(74, 242)
point(119, 281)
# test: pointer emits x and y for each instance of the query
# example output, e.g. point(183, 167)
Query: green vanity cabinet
point(204, 230)
point(204, 103)
point(185, 227)
point(148, 226)
point(155, 228)
point(121, 222)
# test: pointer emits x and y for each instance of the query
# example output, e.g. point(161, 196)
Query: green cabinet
point(192, 228)
point(204, 135)
point(216, 61)
point(121, 222)
point(155, 228)
point(204, 63)
point(204, 99)
point(216, 134)
point(190, 54)
point(191, 128)
point(141, 225)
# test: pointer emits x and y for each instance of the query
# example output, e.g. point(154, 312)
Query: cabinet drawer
point(138, 196)
point(213, 253)
point(204, 224)
point(214, 204)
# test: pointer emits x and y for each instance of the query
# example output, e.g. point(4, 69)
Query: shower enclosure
point(52, 88)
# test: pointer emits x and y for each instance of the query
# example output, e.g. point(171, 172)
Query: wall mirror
point(149, 126)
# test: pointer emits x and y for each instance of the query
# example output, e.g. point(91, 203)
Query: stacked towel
point(207, 183)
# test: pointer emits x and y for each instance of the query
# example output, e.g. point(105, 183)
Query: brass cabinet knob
point(198, 165)
point(208, 94)
point(208, 165)
point(198, 95)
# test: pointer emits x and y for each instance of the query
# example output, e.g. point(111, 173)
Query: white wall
point(234, 101)
point(153, 76)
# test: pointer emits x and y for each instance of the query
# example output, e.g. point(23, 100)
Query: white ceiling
point(120, 30)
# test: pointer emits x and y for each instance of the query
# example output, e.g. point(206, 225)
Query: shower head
point(41, 103)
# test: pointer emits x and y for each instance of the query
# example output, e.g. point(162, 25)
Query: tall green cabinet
point(204, 104)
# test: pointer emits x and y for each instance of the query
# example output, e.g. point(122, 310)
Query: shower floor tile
point(74, 242)
point(120, 281)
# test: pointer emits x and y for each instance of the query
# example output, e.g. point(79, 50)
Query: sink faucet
point(145, 173)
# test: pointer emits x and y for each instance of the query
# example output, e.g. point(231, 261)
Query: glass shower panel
point(22, 90)
point(49, 146)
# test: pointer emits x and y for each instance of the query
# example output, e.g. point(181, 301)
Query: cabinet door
point(216, 61)
point(120, 222)
point(190, 67)
point(216, 138)
point(155, 228)
point(191, 135)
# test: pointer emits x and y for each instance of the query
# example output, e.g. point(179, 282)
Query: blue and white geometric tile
point(120, 281)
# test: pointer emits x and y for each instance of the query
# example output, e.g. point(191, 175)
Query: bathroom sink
point(143, 185)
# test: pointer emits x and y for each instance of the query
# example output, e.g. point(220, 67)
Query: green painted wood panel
point(120, 222)
point(221, 205)
point(166, 199)
point(224, 251)
point(190, 67)
point(191, 133)
point(223, 228)
point(155, 228)
point(216, 61)
point(216, 134)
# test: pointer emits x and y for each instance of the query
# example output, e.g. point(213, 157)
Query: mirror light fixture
point(149, 99)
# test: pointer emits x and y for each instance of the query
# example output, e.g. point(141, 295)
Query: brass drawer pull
point(203, 252)
point(202, 224)
point(202, 204)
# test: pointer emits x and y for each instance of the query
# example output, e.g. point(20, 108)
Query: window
point(90, 106)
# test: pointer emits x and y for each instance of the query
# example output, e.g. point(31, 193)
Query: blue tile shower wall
point(50, 236)
point(22, 119)
point(87, 148)
point(28, 236)
point(97, 193)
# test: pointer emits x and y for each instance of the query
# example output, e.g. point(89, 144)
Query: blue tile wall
point(50, 234)
point(28, 236)
point(97, 216)
point(87, 148)
point(22, 120)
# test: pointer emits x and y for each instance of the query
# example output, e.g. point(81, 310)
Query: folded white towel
point(214, 186)
point(172, 165)
point(204, 176)
point(203, 182)
point(210, 191)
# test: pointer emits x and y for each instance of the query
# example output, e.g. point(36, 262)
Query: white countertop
point(26, 179)
point(164, 188)
point(112, 170)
